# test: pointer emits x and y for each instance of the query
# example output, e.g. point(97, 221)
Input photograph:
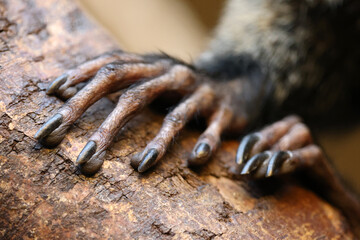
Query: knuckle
point(303, 128)
point(109, 68)
point(180, 71)
point(180, 68)
point(174, 119)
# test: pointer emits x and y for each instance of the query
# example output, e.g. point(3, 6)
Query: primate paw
point(280, 148)
point(144, 78)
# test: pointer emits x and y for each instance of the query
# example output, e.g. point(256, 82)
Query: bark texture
point(43, 196)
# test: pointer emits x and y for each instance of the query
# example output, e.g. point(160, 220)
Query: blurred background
point(183, 29)
point(180, 28)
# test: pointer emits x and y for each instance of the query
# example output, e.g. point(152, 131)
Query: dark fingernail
point(49, 126)
point(276, 161)
point(148, 160)
point(200, 155)
point(245, 147)
point(203, 150)
point(56, 84)
point(255, 162)
point(87, 152)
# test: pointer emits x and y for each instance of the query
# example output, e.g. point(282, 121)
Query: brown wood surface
point(43, 196)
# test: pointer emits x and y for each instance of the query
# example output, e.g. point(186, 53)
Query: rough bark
point(43, 196)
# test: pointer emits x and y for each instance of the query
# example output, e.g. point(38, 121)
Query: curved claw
point(200, 155)
point(255, 162)
point(89, 160)
point(276, 161)
point(243, 152)
point(55, 85)
point(148, 160)
point(49, 126)
point(87, 152)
